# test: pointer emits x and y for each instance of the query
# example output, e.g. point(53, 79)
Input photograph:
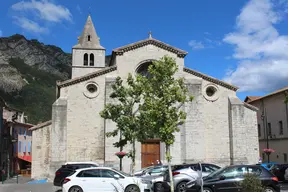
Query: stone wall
point(58, 135)
point(41, 152)
point(244, 146)
point(78, 68)
point(85, 127)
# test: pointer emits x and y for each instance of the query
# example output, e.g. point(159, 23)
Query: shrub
point(251, 183)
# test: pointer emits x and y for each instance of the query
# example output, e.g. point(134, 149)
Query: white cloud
point(196, 44)
point(259, 48)
point(79, 8)
point(29, 25)
point(45, 10)
point(1, 33)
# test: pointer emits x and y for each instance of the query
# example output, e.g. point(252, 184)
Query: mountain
point(29, 70)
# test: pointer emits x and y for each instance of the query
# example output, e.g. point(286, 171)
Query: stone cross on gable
point(150, 34)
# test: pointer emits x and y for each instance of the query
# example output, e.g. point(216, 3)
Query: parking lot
point(48, 187)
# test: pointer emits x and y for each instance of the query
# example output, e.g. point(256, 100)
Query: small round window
point(92, 88)
point(210, 91)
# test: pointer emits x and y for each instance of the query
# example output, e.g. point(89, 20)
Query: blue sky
point(243, 42)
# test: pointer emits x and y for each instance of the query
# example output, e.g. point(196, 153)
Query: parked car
point(152, 171)
point(143, 171)
point(69, 168)
point(279, 171)
point(229, 178)
point(185, 173)
point(155, 175)
point(103, 179)
point(269, 165)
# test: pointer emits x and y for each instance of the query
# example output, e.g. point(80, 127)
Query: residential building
point(272, 118)
point(16, 141)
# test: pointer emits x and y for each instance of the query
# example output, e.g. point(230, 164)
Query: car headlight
point(146, 181)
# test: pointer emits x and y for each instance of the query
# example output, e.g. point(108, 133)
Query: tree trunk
point(168, 158)
point(133, 156)
point(121, 149)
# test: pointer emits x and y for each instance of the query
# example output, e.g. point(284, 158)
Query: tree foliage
point(37, 92)
point(164, 94)
point(124, 113)
point(149, 106)
point(251, 183)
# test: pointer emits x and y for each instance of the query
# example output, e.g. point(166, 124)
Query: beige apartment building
point(272, 118)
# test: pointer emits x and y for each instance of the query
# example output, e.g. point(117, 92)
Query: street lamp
point(264, 119)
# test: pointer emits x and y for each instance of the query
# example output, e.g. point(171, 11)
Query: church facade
point(219, 128)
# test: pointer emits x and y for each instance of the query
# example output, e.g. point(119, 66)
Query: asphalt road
point(48, 187)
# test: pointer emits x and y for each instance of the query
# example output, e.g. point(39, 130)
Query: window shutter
point(29, 146)
point(19, 146)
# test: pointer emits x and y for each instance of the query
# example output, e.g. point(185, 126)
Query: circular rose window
point(91, 90)
point(211, 92)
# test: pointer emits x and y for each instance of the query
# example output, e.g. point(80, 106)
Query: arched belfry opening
point(91, 59)
point(85, 59)
point(142, 69)
point(89, 38)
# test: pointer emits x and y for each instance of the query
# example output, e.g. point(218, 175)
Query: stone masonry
point(219, 128)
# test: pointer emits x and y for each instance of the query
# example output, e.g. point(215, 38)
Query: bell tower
point(88, 55)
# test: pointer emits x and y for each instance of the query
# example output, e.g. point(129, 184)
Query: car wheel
point(132, 188)
point(75, 189)
point(158, 187)
point(181, 187)
point(206, 189)
point(269, 189)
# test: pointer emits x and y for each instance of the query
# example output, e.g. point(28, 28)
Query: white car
point(103, 179)
point(94, 164)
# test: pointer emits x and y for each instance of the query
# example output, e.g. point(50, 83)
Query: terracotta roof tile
point(256, 98)
point(152, 41)
point(86, 77)
point(211, 79)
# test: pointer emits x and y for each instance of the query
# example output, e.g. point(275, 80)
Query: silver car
point(185, 173)
point(155, 175)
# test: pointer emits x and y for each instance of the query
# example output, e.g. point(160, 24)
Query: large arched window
point(91, 59)
point(143, 69)
point(85, 59)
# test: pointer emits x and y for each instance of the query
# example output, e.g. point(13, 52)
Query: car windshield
point(123, 173)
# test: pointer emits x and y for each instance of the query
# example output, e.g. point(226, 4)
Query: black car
point(279, 171)
point(229, 178)
point(67, 170)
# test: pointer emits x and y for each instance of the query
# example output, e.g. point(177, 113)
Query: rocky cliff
point(28, 73)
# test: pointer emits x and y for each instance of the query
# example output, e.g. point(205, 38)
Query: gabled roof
point(86, 77)
point(251, 98)
point(268, 95)
point(211, 79)
point(151, 41)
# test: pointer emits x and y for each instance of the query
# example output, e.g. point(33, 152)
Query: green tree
point(286, 100)
point(124, 113)
point(163, 96)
